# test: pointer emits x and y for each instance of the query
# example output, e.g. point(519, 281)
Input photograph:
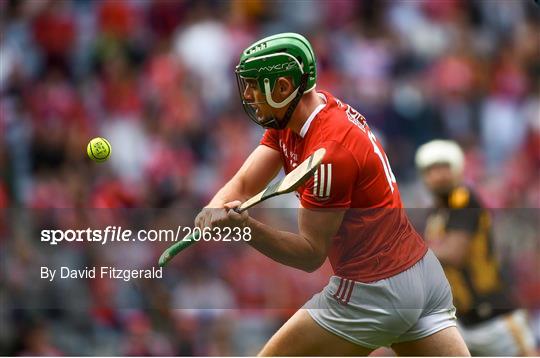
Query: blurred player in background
point(459, 232)
point(388, 289)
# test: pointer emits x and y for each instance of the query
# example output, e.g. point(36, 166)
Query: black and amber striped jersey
point(479, 291)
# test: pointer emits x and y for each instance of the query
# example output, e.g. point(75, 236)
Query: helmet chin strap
point(270, 100)
point(293, 99)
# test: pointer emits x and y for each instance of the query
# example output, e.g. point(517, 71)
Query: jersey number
point(384, 161)
point(359, 121)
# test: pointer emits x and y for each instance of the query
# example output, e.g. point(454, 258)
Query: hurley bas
point(100, 272)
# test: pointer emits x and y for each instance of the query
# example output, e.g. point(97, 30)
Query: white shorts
point(506, 335)
point(408, 306)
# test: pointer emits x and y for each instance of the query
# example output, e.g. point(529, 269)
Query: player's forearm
point(233, 190)
point(449, 252)
point(284, 247)
point(256, 172)
point(447, 257)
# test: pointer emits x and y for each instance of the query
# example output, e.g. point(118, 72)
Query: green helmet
point(282, 55)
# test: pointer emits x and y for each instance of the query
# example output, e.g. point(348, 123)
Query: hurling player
point(388, 289)
point(459, 232)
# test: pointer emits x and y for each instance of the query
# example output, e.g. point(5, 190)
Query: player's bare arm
point(452, 248)
point(306, 250)
point(260, 167)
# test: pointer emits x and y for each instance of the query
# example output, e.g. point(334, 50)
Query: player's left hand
point(234, 218)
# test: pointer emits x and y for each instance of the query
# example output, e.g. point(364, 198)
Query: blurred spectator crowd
point(156, 78)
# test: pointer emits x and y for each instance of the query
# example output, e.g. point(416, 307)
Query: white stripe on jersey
point(321, 185)
point(322, 181)
point(329, 180)
point(315, 181)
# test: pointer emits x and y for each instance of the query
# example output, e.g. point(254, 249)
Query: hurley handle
point(186, 242)
point(172, 251)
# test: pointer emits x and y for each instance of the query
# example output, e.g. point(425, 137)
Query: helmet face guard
point(283, 55)
point(250, 107)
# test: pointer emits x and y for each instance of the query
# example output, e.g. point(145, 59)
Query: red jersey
point(376, 239)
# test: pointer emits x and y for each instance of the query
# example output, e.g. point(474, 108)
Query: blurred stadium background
point(156, 79)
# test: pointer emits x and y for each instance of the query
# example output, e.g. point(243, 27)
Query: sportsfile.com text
point(119, 234)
